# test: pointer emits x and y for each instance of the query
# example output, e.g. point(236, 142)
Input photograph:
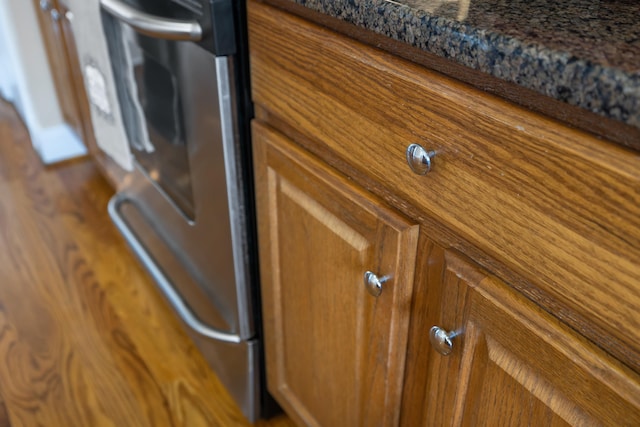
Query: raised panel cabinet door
point(74, 86)
point(51, 19)
point(335, 351)
point(513, 364)
point(77, 79)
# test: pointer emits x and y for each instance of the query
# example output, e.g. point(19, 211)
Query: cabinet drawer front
point(556, 206)
point(335, 353)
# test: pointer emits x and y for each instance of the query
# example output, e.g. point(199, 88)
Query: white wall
point(8, 88)
point(26, 81)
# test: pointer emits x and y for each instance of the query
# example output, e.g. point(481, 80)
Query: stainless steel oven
point(186, 211)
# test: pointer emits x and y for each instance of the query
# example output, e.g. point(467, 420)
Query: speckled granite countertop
point(583, 52)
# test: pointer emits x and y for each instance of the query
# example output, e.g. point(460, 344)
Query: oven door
point(185, 155)
point(183, 211)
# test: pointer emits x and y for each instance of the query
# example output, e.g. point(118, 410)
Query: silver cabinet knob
point(45, 5)
point(55, 15)
point(419, 159)
point(68, 15)
point(372, 283)
point(441, 340)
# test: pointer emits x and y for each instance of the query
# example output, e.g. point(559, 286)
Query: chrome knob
point(441, 340)
point(419, 159)
point(45, 5)
point(55, 15)
point(372, 283)
point(68, 15)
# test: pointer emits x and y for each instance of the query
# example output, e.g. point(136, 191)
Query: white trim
point(57, 143)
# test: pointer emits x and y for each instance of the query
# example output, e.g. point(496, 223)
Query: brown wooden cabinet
point(335, 351)
point(511, 364)
point(53, 20)
point(336, 354)
point(528, 250)
point(77, 80)
point(519, 367)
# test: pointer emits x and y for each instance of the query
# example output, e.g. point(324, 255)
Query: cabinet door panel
point(513, 364)
point(335, 353)
point(58, 55)
point(77, 80)
point(507, 391)
point(454, 283)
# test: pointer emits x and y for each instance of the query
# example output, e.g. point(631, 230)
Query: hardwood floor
point(85, 338)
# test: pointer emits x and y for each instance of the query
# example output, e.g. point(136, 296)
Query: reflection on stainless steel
point(184, 210)
point(236, 364)
point(163, 282)
point(205, 244)
point(234, 185)
point(171, 29)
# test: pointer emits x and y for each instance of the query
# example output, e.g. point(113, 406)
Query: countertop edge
point(584, 112)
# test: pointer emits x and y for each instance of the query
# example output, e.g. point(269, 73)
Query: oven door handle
point(153, 26)
point(163, 281)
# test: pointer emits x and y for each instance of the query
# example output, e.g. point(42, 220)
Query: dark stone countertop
point(582, 52)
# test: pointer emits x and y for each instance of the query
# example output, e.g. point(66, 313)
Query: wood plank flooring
point(85, 338)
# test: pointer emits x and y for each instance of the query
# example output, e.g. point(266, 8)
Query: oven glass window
point(161, 149)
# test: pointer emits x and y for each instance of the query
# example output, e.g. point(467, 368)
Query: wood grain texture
point(335, 354)
point(85, 337)
point(572, 115)
point(428, 373)
point(512, 363)
point(54, 41)
point(555, 210)
point(425, 312)
point(4, 415)
point(520, 367)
